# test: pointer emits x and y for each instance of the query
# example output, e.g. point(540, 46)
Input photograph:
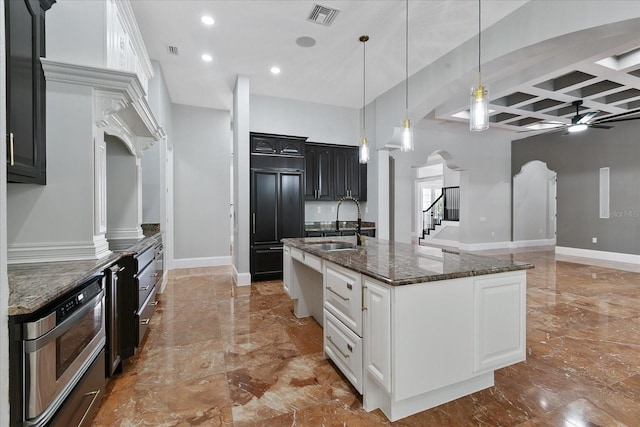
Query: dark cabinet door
point(318, 167)
point(291, 205)
point(25, 44)
point(350, 176)
point(341, 173)
point(264, 212)
point(356, 175)
point(277, 211)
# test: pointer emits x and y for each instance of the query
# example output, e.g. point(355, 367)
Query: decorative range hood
point(120, 103)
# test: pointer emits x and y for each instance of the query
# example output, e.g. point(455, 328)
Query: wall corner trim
point(241, 279)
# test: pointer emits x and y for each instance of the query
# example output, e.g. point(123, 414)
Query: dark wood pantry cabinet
point(25, 45)
point(277, 200)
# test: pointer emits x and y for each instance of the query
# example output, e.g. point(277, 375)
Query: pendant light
point(479, 111)
point(407, 132)
point(364, 144)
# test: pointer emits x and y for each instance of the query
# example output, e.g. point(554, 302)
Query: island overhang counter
point(411, 327)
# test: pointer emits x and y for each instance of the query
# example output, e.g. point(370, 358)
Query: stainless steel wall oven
point(59, 347)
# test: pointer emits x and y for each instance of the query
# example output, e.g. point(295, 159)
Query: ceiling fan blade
point(597, 126)
point(616, 117)
point(620, 120)
point(586, 118)
point(560, 127)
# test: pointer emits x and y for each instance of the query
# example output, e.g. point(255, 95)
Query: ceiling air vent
point(172, 50)
point(322, 15)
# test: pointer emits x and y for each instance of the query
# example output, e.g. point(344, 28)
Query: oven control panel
point(71, 304)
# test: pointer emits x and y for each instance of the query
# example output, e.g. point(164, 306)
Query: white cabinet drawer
point(345, 349)
point(309, 260)
point(297, 254)
point(343, 296)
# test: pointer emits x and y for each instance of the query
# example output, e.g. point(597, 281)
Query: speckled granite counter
point(404, 264)
point(33, 285)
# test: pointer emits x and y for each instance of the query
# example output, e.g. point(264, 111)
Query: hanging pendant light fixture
point(364, 144)
point(407, 132)
point(479, 112)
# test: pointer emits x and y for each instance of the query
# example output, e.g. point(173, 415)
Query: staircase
point(444, 208)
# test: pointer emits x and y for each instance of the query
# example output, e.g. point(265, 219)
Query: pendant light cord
point(406, 67)
point(364, 86)
point(479, 42)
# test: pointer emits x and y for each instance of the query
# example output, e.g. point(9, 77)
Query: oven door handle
point(33, 345)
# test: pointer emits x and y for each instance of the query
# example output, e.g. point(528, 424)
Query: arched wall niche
point(534, 205)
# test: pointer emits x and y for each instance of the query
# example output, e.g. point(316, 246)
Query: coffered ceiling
point(608, 86)
point(251, 36)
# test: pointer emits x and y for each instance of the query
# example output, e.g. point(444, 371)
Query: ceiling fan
point(581, 122)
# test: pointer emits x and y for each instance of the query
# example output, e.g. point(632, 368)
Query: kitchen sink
point(335, 246)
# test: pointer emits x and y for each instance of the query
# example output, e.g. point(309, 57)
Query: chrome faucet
point(359, 227)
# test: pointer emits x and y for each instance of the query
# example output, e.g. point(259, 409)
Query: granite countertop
point(34, 285)
point(331, 225)
point(405, 264)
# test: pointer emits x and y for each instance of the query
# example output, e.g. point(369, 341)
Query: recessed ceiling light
point(275, 70)
point(207, 20)
point(207, 57)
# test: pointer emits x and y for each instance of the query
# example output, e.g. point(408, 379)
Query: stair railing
point(445, 208)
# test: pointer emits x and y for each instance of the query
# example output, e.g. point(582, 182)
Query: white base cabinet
point(410, 348)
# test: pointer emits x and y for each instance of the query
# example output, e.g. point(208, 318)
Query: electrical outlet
point(483, 218)
point(333, 209)
point(366, 209)
point(594, 240)
point(594, 276)
point(319, 209)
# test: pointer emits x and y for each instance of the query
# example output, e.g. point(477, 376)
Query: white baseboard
point(530, 243)
point(589, 253)
point(59, 251)
point(485, 246)
point(241, 279)
point(441, 242)
point(201, 262)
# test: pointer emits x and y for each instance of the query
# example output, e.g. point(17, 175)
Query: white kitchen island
point(410, 327)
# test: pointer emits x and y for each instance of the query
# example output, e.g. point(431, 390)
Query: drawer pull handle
point(145, 322)
point(155, 303)
point(154, 275)
point(276, 248)
point(144, 288)
point(120, 269)
point(334, 292)
point(349, 286)
point(95, 396)
point(12, 160)
point(345, 355)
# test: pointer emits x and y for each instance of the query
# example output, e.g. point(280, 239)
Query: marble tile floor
point(219, 355)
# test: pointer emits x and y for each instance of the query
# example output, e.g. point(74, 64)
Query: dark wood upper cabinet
point(25, 45)
point(319, 184)
point(277, 145)
point(334, 172)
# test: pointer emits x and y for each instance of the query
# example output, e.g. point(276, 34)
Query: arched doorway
point(439, 173)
